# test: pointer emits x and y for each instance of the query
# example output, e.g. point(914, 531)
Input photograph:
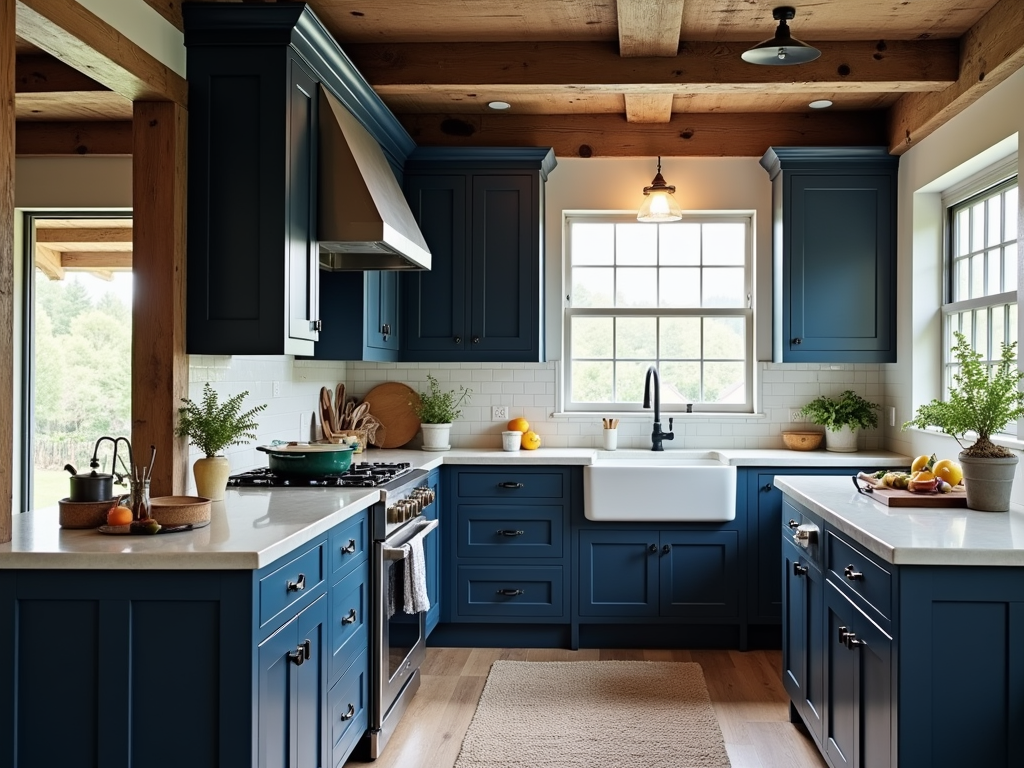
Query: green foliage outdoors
point(982, 401)
point(437, 407)
point(212, 427)
point(849, 410)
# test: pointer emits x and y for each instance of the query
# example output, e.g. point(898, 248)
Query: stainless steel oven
point(398, 639)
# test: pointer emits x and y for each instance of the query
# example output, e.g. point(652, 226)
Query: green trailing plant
point(437, 407)
point(212, 427)
point(848, 410)
point(981, 401)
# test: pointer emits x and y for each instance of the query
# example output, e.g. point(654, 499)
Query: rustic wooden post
point(6, 266)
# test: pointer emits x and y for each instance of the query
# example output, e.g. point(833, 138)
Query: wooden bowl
point(83, 514)
point(802, 441)
point(180, 510)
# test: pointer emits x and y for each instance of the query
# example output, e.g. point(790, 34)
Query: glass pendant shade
point(659, 203)
point(783, 49)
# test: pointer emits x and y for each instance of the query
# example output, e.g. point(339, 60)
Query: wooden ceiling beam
point(699, 67)
point(48, 262)
point(689, 135)
point(648, 108)
point(649, 29)
point(993, 49)
point(45, 74)
point(119, 261)
point(71, 139)
point(83, 41)
point(68, 236)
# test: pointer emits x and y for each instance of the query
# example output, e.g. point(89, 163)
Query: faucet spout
point(657, 436)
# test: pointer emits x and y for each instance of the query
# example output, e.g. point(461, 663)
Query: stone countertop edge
point(954, 536)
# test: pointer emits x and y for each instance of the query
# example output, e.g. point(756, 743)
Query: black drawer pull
point(511, 485)
point(851, 574)
point(849, 639)
point(793, 524)
point(511, 592)
point(298, 585)
point(509, 532)
point(350, 619)
point(799, 570)
point(350, 714)
point(301, 653)
point(350, 548)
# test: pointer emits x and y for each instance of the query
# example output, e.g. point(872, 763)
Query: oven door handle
point(397, 551)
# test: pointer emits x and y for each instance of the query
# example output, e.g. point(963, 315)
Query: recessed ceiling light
point(820, 104)
point(499, 105)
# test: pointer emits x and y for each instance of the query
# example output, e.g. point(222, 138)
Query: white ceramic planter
point(435, 437)
point(842, 441)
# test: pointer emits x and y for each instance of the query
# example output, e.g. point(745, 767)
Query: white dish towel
point(416, 599)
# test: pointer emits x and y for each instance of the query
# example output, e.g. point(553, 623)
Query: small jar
point(611, 439)
point(511, 440)
point(141, 506)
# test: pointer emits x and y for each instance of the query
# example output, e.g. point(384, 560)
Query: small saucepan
point(308, 459)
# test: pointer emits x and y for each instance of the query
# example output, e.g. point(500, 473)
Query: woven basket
point(83, 514)
point(359, 434)
point(180, 510)
point(802, 441)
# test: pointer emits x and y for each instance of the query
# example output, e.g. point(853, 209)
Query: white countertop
point(912, 535)
point(254, 526)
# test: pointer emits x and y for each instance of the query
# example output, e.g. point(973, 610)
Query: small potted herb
point(982, 403)
point(842, 417)
point(212, 427)
point(436, 411)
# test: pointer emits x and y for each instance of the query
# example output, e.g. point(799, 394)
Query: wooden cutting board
point(893, 497)
point(392, 405)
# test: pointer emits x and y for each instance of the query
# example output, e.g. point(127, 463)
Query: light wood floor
point(746, 690)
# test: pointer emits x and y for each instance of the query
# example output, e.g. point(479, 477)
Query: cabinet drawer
point(291, 582)
point(510, 531)
point(854, 569)
point(348, 545)
point(346, 707)
point(511, 485)
point(524, 591)
point(348, 634)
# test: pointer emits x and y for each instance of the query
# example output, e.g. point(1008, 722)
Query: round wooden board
point(392, 405)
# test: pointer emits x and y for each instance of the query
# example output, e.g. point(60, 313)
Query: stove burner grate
point(362, 475)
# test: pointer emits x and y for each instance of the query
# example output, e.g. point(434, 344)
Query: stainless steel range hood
point(364, 220)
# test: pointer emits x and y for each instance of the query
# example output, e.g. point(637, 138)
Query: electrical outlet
point(499, 413)
point(796, 417)
point(277, 389)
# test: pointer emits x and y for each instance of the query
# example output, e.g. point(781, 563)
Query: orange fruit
point(519, 424)
point(948, 470)
point(530, 441)
point(119, 516)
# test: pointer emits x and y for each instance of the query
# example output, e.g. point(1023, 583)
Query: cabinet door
point(802, 634)
point(618, 573)
point(291, 693)
point(435, 308)
point(858, 693)
point(839, 269)
point(700, 574)
point(302, 260)
point(505, 264)
point(432, 555)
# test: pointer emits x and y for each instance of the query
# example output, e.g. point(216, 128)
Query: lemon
point(530, 440)
point(519, 424)
point(922, 462)
point(948, 470)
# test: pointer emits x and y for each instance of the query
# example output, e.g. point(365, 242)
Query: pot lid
point(305, 448)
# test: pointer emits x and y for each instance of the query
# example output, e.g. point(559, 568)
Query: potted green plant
point(982, 403)
point(212, 427)
point(436, 411)
point(842, 417)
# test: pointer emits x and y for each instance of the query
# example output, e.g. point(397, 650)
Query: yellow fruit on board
point(519, 424)
point(948, 470)
point(530, 441)
point(921, 462)
point(924, 476)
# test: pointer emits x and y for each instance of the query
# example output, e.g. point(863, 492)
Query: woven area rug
point(594, 714)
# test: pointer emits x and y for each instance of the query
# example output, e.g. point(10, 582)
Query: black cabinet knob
point(300, 655)
point(348, 550)
point(797, 342)
point(476, 339)
point(652, 548)
point(298, 585)
point(350, 714)
point(766, 487)
point(350, 618)
point(799, 570)
point(457, 339)
point(851, 574)
point(666, 549)
point(793, 524)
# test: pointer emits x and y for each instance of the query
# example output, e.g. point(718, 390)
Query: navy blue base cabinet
point(834, 253)
point(225, 669)
point(901, 665)
point(481, 212)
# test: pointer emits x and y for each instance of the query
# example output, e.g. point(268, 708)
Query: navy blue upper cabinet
point(359, 312)
point(482, 213)
point(834, 254)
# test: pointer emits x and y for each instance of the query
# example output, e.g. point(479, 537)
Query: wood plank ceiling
point(633, 77)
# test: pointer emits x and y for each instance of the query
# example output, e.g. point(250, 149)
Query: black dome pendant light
point(783, 49)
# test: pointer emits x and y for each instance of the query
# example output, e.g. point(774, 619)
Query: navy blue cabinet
point(481, 213)
point(802, 650)
point(253, 272)
point(432, 554)
point(359, 313)
point(835, 254)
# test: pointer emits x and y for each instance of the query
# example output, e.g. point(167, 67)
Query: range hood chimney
point(364, 220)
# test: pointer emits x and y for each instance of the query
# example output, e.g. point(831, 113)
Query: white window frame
point(990, 182)
point(746, 312)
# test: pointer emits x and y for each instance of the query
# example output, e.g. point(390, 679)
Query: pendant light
point(783, 48)
point(659, 204)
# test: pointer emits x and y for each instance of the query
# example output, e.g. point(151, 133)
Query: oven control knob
point(393, 514)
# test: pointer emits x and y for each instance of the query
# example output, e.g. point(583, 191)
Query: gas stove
point(365, 474)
